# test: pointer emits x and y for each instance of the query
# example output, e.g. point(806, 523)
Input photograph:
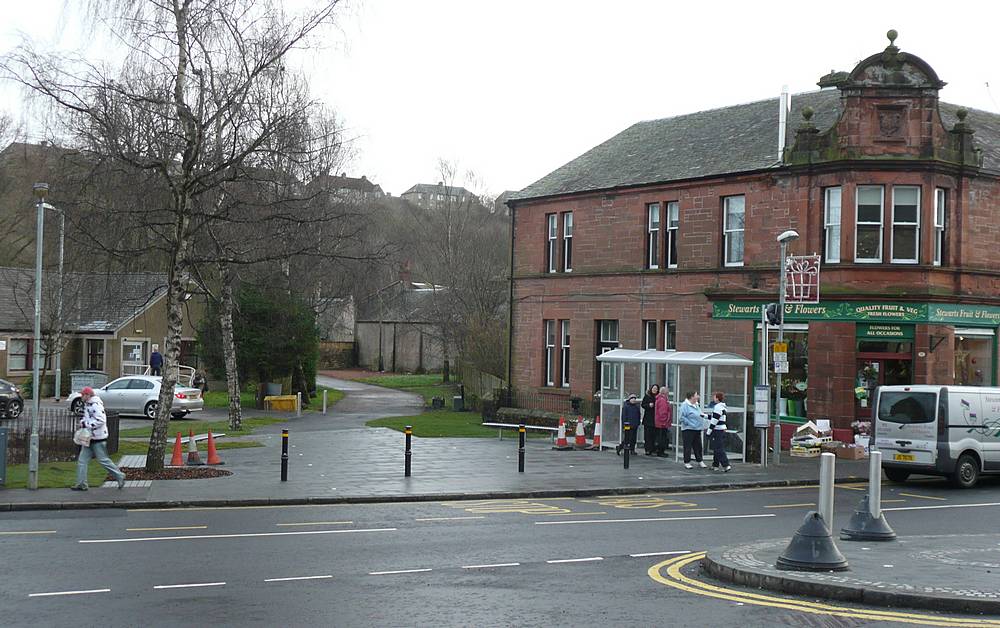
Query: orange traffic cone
point(193, 458)
point(177, 460)
point(597, 434)
point(213, 456)
point(581, 438)
point(561, 443)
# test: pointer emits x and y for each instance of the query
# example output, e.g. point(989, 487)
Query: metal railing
point(55, 435)
point(570, 406)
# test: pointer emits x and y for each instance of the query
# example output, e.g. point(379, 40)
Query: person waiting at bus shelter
point(630, 417)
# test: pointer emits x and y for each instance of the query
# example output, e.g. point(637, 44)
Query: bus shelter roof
point(693, 358)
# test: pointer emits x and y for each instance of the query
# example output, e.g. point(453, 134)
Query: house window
point(649, 343)
point(734, 211)
point(868, 234)
point(20, 355)
point(551, 242)
point(905, 224)
point(95, 354)
point(673, 224)
point(564, 356)
point(940, 207)
point(653, 235)
point(568, 242)
point(669, 335)
point(608, 340)
point(550, 353)
point(831, 225)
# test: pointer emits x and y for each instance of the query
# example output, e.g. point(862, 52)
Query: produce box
point(851, 453)
point(805, 452)
point(831, 446)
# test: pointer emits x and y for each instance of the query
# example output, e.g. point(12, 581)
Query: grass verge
point(141, 448)
point(445, 424)
point(56, 474)
point(184, 426)
point(428, 386)
point(248, 398)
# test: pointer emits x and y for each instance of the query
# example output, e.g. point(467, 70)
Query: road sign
point(780, 347)
point(761, 405)
point(781, 367)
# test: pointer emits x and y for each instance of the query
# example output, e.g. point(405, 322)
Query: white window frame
point(550, 352)
point(726, 230)
point(104, 351)
point(914, 224)
point(564, 339)
point(667, 333)
point(649, 335)
point(880, 223)
point(567, 220)
point(673, 221)
point(27, 354)
point(609, 371)
point(831, 224)
point(653, 236)
point(552, 242)
point(940, 220)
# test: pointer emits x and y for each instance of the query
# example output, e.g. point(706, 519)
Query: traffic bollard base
point(864, 527)
point(812, 548)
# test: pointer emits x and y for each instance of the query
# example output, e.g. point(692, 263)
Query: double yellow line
point(674, 578)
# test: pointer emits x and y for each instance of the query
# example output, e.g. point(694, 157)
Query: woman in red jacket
point(664, 418)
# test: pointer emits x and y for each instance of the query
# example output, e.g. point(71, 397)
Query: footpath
point(335, 458)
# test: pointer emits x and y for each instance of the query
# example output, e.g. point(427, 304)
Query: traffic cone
point(193, 458)
point(597, 434)
point(213, 456)
point(581, 438)
point(561, 443)
point(177, 460)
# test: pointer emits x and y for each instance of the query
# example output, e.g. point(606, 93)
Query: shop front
point(839, 352)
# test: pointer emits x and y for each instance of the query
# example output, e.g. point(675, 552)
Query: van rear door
point(906, 426)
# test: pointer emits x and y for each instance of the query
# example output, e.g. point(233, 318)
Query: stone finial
point(892, 35)
point(961, 113)
point(807, 113)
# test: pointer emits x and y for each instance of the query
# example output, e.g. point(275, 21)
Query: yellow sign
point(781, 347)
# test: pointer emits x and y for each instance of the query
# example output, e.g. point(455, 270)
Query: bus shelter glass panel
point(732, 382)
point(612, 375)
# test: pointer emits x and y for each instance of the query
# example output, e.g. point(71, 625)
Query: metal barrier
point(55, 435)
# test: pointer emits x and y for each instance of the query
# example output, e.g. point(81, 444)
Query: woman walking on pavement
point(717, 433)
point(630, 417)
point(649, 419)
point(96, 421)
point(692, 426)
point(664, 418)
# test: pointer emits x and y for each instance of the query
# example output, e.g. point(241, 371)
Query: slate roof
point(729, 140)
point(92, 303)
point(429, 188)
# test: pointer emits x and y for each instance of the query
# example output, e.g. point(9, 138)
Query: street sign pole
point(762, 414)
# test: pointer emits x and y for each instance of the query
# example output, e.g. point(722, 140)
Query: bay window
point(734, 213)
point(831, 225)
point(905, 224)
point(868, 229)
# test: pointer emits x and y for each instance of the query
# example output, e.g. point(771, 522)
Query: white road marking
point(68, 592)
point(389, 573)
point(943, 506)
point(648, 519)
point(574, 560)
point(317, 523)
point(173, 528)
point(27, 532)
point(659, 554)
point(450, 518)
point(298, 578)
point(489, 566)
point(188, 586)
point(231, 536)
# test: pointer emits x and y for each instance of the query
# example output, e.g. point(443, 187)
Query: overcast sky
point(512, 89)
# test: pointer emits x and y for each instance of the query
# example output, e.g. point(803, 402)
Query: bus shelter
point(626, 371)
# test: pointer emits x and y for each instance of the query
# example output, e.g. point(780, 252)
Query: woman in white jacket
point(95, 420)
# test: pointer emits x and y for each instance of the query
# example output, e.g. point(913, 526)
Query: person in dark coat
point(156, 361)
point(630, 417)
point(649, 419)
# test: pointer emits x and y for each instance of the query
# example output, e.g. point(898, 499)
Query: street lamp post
point(783, 240)
point(59, 301)
point(41, 190)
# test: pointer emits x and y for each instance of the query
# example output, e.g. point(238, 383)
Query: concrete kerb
point(417, 497)
point(789, 584)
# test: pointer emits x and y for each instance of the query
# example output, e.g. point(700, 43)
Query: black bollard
point(407, 455)
point(520, 448)
point(625, 444)
point(284, 455)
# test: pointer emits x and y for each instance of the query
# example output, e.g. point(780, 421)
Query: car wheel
point(150, 410)
point(77, 406)
point(897, 475)
point(178, 415)
point(14, 409)
point(966, 473)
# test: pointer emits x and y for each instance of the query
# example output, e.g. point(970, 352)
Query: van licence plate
point(904, 457)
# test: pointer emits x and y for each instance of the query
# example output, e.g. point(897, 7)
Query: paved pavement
point(335, 457)
point(942, 572)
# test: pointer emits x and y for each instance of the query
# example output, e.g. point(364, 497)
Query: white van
point(938, 430)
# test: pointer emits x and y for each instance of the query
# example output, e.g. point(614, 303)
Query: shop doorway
point(891, 367)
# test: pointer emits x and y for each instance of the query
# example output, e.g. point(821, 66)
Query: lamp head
point(40, 190)
point(788, 236)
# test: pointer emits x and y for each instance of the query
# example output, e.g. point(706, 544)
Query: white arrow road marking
point(232, 536)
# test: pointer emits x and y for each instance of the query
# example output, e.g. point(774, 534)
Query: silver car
point(140, 394)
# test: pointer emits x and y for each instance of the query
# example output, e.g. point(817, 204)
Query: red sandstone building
point(664, 237)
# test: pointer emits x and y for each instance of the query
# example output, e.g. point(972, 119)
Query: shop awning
point(695, 358)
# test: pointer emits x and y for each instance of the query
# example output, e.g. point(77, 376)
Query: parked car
point(11, 402)
point(140, 394)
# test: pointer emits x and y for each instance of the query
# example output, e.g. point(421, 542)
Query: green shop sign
point(973, 315)
point(884, 330)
